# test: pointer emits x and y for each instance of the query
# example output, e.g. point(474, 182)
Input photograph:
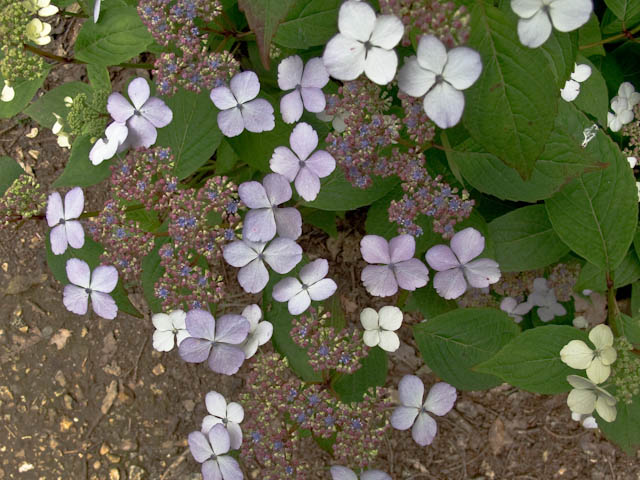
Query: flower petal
point(605, 410)
point(162, 322)
point(299, 303)
point(379, 280)
point(441, 258)
point(229, 468)
point(253, 314)
point(199, 446)
point(216, 404)
point(232, 329)
point(387, 32)
point(307, 184)
point(597, 371)
point(264, 332)
point(581, 401)
point(277, 188)
point(380, 65)
point(285, 162)
point(390, 317)
point(291, 107)
point(283, 254)
point(342, 473)
point(375, 249)
point(467, 244)
point(194, 350)
point(73, 203)
point(313, 99)
point(576, 354)
point(104, 305)
point(230, 122)
point(369, 319)
point(235, 434)
point(286, 289)
point(411, 274)
point(58, 239)
point(138, 91)
point(601, 336)
point(163, 341)
point(208, 422)
point(239, 253)
point(157, 112)
point(356, 20)
point(78, 272)
point(450, 284)
point(245, 86)
point(374, 475)
point(288, 222)
point(314, 271)
point(75, 233)
point(322, 290)
point(526, 8)
point(219, 439)
point(259, 225)
point(431, 54)
point(201, 324)
point(444, 105)
point(371, 338)
point(570, 91)
point(104, 278)
point(225, 359)
point(424, 430)
point(389, 341)
point(75, 299)
point(411, 391)
point(569, 15)
point(222, 98)
point(581, 72)
point(403, 417)
point(119, 107)
point(402, 248)
point(534, 31)
point(344, 58)
point(315, 74)
point(415, 80)
point(440, 399)
point(482, 272)
point(254, 276)
point(321, 163)
point(303, 140)
point(463, 67)
point(211, 471)
point(142, 133)
point(55, 210)
point(290, 72)
point(258, 116)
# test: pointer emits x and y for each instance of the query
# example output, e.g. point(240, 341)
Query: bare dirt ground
point(85, 398)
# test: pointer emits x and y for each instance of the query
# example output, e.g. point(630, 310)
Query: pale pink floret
point(306, 82)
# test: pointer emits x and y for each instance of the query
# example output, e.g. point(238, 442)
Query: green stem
point(615, 38)
point(73, 14)
point(68, 60)
point(612, 306)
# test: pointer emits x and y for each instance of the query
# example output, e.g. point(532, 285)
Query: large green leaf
point(531, 361)
point(625, 430)
point(629, 327)
point(427, 301)
point(42, 110)
point(24, 92)
point(79, 171)
point(524, 240)
point(9, 171)
point(625, 10)
point(193, 134)
point(589, 34)
point(90, 253)
point(372, 373)
point(454, 342)
point(593, 98)
point(337, 194)
point(594, 278)
point(256, 149)
point(309, 23)
point(264, 16)
point(510, 110)
point(119, 36)
point(561, 50)
point(563, 158)
point(596, 214)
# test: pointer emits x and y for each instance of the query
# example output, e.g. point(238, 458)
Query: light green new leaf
point(9, 171)
point(193, 134)
point(524, 240)
point(531, 361)
point(119, 36)
point(309, 23)
point(596, 214)
point(42, 110)
point(625, 430)
point(454, 342)
point(24, 92)
point(510, 110)
point(79, 171)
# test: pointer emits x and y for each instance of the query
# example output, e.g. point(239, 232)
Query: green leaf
point(226, 158)
point(510, 110)
point(151, 272)
point(24, 92)
point(80, 172)
point(372, 373)
point(90, 253)
point(596, 214)
point(594, 278)
point(427, 301)
point(193, 134)
point(9, 171)
point(625, 430)
point(625, 10)
point(309, 24)
point(629, 327)
point(278, 314)
point(635, 299)
point(454, 342)
point(99, 77)
point(119, 36)
point(524, 240)
point(593, 98)
point(531, 361)
point(256, 149)
point(323, 219)
point(561, 50)
point(337, 194)
point(563, 158)
point(377, 222)
point(589, 34)
point(264, 16)
point(42, 110)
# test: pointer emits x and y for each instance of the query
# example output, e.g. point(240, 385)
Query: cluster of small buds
point(24, 199)
point(328, 349)
point(477, 298)
point(16, 63)
point(126, 244)
point(368, 129)
point(562, 279)
point(426, 195)
point(88, 114)
point(195, 70)
point(626, 371)
point(361, 429)
point(420, 128)
point(146, 176)
point(442, 19)
point(312, 407)
point(632, 130)
point(516, 284)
